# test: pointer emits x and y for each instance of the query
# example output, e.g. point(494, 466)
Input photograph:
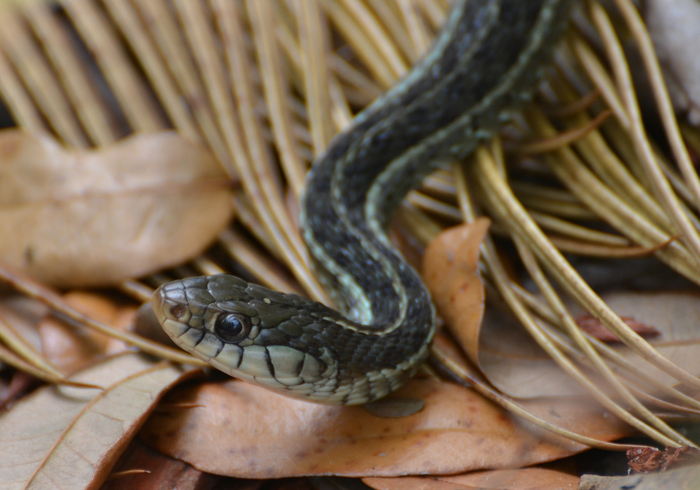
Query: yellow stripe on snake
point(485, 61)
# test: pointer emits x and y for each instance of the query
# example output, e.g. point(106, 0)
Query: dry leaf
point(24, 315)
point(68, 438)
point(245, 431)
point(451, 273)
point(522, 479)
point(673, 25)
point(493, 340)
point(70, 348)
point(516, 366)
point(87, 218)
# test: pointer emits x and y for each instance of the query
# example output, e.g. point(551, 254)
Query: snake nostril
point(179, 311)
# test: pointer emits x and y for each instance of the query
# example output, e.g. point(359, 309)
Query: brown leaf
point(496, 343)
point(60, 437)
point(522, 479)
point(87, 218)
point(592, 326)
point(69, 348)
point(450, 271)
point(24, 315)
point(245, 431)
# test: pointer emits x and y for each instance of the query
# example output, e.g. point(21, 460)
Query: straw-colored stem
point(72, 71)
point(585, 347)
point(567, 276)
point(660, 184)
point(314, 46)
point(123, 79)
point(275, 91)
point(41, 83)
point(659, 90)
point(471, 379)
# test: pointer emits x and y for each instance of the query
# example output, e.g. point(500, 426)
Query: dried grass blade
point(690, 235)
point(39, 79)
point(72, 70)
point(257, 175)
point(660, 91)
point(17, 99)
point(567, 276)
point(136, 34)
point(128, 87)
point(313, 34)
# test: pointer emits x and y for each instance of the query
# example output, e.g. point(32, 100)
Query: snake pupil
point(232, 327)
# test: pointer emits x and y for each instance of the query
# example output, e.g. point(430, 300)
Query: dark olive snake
point(483, 64)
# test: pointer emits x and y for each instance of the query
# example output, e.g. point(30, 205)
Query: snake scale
point(485, 61)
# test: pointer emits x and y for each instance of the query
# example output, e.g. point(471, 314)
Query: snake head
point(246, 331)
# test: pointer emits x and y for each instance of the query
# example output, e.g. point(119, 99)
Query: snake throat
point(483, 64)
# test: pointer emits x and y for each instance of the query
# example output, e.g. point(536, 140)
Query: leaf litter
point(514, 367)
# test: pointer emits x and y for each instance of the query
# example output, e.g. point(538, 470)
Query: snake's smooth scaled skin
point(483, 64)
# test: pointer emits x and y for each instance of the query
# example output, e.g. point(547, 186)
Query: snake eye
point(232, 327)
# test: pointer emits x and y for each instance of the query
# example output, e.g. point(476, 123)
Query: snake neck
point(483, 65)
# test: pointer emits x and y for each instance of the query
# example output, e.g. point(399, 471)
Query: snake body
point(483, 64)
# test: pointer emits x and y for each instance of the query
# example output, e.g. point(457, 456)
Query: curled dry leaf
point(70, 348)
point(521, 479)
point(451, 272)
point(88, 218)
point(61, 437)
point(493, 341)
point(244, 431)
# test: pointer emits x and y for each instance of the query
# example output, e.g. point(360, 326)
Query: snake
point(483, 65)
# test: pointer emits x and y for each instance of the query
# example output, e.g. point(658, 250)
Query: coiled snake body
point(483, 64)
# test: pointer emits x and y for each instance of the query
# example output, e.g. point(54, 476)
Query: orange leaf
point(450, 270)
point(245, 431)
